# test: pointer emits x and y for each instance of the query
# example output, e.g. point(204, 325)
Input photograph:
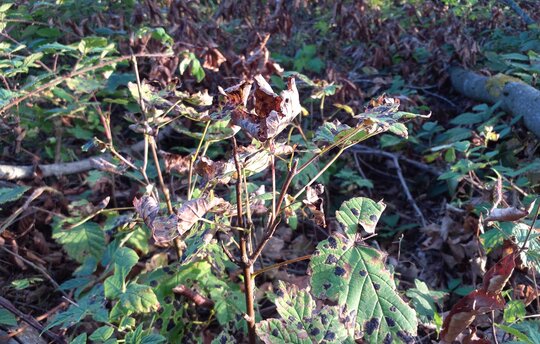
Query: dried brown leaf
point(315, 203)
point(175, 162)
point(506, 214)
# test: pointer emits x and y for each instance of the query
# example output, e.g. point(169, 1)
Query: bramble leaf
point(301, 321)
point(84, 240)
point(354, 276)
point(359, 211)
point(12, 194)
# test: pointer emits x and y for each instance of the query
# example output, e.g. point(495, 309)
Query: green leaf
point(399, 129)
point(5, 7)
point(12, 194)
point(531, 328)
point(359, 211)
point(80, 339)
point(102, 334)
point(523, 338)
point(197, 70)
point(424, 301)
point(514, 311)
point(301, 321)
point(81, 241)
point(124, 259)
point(24, 283)
point(7, 318)
point(138, 298)
point(138, 336)
point(354, 276)
point(90, 305)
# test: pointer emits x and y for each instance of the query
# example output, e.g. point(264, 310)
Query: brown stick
point(273, 224)
point(31, 321)
point(11, 172)
point(197, 298)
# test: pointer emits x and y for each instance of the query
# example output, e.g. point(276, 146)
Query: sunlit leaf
point(354, 276)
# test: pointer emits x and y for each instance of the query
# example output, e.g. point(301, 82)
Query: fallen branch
point(516, 97)
point(31, 321)
point(395, 159)
point(12, 172)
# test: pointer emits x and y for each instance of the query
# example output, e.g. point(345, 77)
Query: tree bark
point(517, 98)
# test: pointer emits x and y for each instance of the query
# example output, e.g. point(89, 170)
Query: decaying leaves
point(166, 228)
point(315, 203)
point(465, 311)
point(175, 162)
point(495, 278)
point(271, 112)
point(478, 302)
point(506, 214)
point(252, 159)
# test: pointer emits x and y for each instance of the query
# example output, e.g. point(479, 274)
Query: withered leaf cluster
point(262, 114)
point(166, 228)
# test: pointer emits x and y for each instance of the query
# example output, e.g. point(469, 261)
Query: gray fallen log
point(517, 98)
point(14, 172)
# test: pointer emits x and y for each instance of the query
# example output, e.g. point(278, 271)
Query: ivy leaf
point(354, 276)
point(84, 240)
point(301, 321)
point(12, 194)
point(359, 211)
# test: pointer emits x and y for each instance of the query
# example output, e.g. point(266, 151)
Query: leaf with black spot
point(359, 211)
point(363, 289)
point(301, 321)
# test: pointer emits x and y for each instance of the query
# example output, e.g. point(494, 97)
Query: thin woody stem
point(278, 265)
point(247, 266)
point(273, 225)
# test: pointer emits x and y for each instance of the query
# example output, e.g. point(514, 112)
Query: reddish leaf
point(465, 311)
point(237, 94)
point(495, 278)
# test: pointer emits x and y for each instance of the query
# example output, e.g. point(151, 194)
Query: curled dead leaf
point(166, 228)
point(315, 203)
point(506, 214)
point(271, 113)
